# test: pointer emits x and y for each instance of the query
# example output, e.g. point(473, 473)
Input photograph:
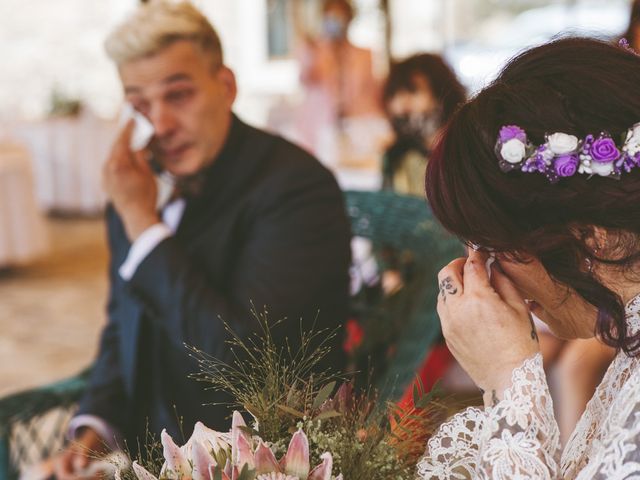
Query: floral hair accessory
point(563, 155)
point(624, 44)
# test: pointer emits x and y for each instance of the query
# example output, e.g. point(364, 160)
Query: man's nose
point(163, 120)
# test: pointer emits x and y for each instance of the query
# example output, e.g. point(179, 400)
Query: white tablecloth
point(22, 228)
point(68, 154)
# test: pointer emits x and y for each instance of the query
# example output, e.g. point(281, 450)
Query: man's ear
point(228, 80)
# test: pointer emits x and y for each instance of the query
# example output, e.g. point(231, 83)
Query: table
point(22, 228)
point(68, 154)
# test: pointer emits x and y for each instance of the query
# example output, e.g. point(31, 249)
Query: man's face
point(187, 99)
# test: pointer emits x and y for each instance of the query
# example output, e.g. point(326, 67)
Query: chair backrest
point(32, 423)
point(404, 223)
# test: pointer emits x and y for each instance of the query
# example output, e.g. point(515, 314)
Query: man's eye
point(179, 95)
point(141, 107)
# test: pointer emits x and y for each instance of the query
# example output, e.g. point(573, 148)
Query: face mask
point(334, 27)
point(416, 126)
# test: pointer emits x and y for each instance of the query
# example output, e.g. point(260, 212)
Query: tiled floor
point(52, 310)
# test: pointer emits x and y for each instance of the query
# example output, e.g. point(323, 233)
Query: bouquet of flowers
point(305, 424)
point(237, 455)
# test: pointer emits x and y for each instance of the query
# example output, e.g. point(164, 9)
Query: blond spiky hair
point(157, 24)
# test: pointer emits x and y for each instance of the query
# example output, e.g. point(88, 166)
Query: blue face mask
point(334, 27)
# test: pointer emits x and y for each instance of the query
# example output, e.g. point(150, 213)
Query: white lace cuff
point(517, 438)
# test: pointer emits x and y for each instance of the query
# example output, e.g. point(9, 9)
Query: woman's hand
point(567, 314)
point(486, 323)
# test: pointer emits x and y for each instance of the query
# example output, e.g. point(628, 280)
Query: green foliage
point(276, 385)
point(284, 391)
point(62, 104)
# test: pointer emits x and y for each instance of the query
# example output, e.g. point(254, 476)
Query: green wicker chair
point(32, 423)
point(405, 225)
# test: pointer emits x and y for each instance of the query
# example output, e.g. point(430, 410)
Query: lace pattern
point(516, 437)
point(519, 438)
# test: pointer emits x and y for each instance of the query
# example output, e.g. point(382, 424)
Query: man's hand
point(131, 186)
point(73, 462)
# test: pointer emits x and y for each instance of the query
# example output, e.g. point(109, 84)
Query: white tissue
point(488, 264)
point(142, 130)
point(490, 260)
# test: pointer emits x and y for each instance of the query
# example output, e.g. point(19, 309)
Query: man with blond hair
point(252, 218)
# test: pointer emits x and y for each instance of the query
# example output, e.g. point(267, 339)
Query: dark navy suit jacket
point(269, 228)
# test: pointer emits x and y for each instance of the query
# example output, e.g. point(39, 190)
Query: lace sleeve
point(617, 453)
point(517, 438)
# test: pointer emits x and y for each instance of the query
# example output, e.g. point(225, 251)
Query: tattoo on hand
point(534, 333)
point(447, 288)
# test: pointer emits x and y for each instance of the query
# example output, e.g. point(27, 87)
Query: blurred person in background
point(337, 76)
point(419, 96)
point(252, 218)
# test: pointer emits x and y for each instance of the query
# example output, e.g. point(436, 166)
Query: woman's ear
point(594, 238)
point(600, 237)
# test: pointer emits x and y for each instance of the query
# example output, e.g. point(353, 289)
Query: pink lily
point(265, 460)
point(296, 461)
point(176, 464)
point(213, 441)
point(142, 473)
point(323, 471)
point(275, 476)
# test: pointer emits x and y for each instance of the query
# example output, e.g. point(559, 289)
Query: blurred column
point(449, 33)
point(388, 29)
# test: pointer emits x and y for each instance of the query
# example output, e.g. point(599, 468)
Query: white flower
point(547, 155)
point(561, 143)
point(602, 169)
point(513, 151)
point(632, 143)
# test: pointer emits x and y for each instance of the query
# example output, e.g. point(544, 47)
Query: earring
point(589, 264)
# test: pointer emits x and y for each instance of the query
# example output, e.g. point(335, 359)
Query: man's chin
point(184, 166)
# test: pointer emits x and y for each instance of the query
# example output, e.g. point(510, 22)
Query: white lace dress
point(518, 438)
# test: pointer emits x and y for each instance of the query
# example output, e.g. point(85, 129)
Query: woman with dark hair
point(540, 174)
point(419, 96)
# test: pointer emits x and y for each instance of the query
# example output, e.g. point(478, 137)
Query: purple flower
point(604, 150)
point(566, 165)
point(512, 131)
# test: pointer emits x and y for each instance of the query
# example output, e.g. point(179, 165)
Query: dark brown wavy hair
point(572, 85)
